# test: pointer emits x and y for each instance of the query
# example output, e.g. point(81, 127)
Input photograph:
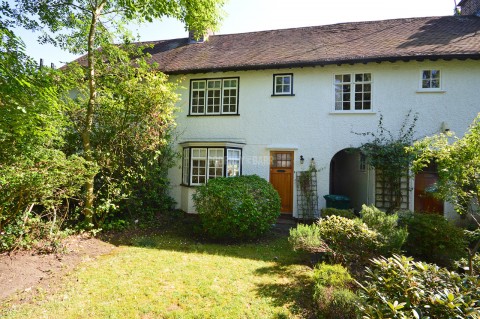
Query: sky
point(257, 15)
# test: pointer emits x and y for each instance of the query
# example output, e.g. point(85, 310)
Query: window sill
point(277, 95)
point(189, 186)
point(352, 112)
point(430, 91)
point(209, 115)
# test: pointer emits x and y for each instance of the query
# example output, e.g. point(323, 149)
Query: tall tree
point(88, 25)
point(34, 172)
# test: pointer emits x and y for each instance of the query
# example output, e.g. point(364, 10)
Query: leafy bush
point(349, 239)
point(392, 236)
point(307, 238)
point(46, 180)
point(241, 207)
point(398, 287)
point(475, 263)
point(434, 239)
point(335, 303)
point(32, 233)
point(332, 295)
point(347, 213)
point(332, 275)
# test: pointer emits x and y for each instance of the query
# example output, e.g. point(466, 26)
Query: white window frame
point(195, 157)
point(186, 166)
point(430, 89)
point(282, 84)
point(194, 100)
point(210, 95)
point(232, 161)
point(352, 92)
point(221, 97)
point(216, 160)
point(225, 96)
point(230, 156)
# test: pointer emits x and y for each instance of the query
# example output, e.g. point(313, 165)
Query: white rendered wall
point(306, 123)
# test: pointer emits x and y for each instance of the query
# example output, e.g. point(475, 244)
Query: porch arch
point(350, 176)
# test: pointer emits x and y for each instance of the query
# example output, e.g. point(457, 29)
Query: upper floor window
point(203, 163)
point(214, 96)
point(431, 80)
point(283, 84)
point(353, 92)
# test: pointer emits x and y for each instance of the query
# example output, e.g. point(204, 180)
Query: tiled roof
point(359, 42)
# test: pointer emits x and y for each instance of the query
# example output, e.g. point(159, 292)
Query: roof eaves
point(321, 63)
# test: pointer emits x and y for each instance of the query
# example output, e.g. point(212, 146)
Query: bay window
point(200, 164)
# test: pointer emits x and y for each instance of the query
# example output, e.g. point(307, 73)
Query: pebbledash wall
point(307, 124)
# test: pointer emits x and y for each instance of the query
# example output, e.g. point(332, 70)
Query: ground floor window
point(200, 164)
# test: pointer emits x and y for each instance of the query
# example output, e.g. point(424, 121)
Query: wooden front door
point(424, 202)
point(281, 177)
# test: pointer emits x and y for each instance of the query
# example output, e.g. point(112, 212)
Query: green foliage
point(68, 24)
point(332, 275)
point(398, 287)
point(458, 163)
point(30, 112)
point(122, 106)
point(386, 153)
point(349, 239)
point(475, 263)
point(332, 294)
point(391, 235)
point(308, 202)
point(47, 182)
point(434, 239)
point(307, 238)
point(241, 207)
point(36, 178)
point(335, 303)
point(33, 233)
point(347, 213)
point(131, 141)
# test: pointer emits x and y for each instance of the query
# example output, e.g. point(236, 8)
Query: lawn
point(169, 275)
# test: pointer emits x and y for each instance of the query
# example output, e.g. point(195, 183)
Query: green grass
point(172, 276)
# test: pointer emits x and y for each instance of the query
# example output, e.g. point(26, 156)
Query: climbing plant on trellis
point(386, 152)
point(307, 195)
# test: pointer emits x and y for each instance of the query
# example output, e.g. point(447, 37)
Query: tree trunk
point(88, 208)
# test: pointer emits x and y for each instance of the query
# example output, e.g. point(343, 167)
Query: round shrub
point(336, 303)
point(332, 294)
point(434, 239)
point(392, 236)
point(332, 275)
point(349, 239)
point(307, 238)
point(243, 207)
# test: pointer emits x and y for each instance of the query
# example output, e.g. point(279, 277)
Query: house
point(271, 102)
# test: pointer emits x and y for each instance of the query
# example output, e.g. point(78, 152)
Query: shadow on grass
point(179, 235)
point(296, 291)
point(292, 290)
